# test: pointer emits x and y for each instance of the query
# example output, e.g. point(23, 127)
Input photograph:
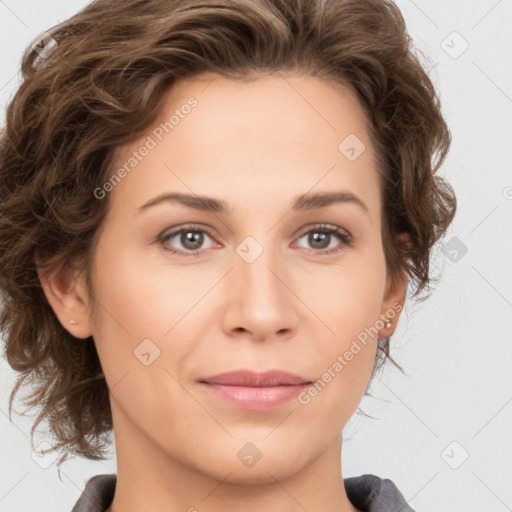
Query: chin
point(259, 474)
point(275, 463)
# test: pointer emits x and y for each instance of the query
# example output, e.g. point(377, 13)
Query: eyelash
point(346, 239)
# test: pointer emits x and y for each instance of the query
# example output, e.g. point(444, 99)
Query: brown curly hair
point(101, 85)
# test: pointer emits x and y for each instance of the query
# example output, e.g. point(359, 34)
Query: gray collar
point(368, 493)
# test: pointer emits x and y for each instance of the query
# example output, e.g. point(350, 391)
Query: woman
point(211, 213)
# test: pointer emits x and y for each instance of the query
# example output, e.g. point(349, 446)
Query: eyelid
point(321, 226)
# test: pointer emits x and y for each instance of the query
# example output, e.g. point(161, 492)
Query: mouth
point(248, 389)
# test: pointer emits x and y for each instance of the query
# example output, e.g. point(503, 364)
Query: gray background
point(455, 401)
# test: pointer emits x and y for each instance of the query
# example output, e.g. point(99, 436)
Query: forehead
point(292, 106)
point(262, 137)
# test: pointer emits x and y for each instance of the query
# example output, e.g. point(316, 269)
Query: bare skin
point(257, 146)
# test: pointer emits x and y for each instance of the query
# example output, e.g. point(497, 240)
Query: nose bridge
point(260, 302)
point(258, 261)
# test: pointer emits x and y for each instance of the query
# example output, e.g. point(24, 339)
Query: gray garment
point(368, 493)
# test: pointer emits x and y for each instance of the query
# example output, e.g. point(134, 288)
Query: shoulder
point(370, 493)
point(97, 494)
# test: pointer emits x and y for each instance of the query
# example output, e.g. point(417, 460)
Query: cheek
point(143, 298)
point(345, 357)
point(147, 314)
point(347, 301)
point(137, 309)
point(346, 298)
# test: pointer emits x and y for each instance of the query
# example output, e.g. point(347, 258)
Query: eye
point(191, 238)
point(320, 239)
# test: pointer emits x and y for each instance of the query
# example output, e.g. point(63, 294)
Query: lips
point(248, 389)
point(256, 379)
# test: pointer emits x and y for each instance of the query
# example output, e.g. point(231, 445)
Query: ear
point(65, 290)
point(394, 299)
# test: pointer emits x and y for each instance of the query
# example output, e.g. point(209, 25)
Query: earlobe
point(394, 300)
point(67, 296)
point(392, 306)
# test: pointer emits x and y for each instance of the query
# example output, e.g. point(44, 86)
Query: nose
point(260, 302)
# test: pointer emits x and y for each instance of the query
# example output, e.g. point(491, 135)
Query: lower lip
point(256, 398)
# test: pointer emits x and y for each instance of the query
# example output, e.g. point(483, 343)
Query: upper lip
point(253, 378)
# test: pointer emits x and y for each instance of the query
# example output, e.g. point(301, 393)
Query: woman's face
point(256, 282)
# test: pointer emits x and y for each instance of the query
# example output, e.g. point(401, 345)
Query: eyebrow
point(211, 204)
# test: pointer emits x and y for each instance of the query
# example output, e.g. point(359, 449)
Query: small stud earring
point(388, 323)
point(72, 322)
